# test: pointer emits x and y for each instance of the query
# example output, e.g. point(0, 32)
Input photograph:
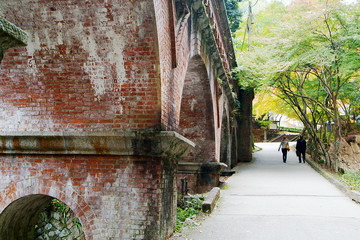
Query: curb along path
point(269, 199)
point(354, 195)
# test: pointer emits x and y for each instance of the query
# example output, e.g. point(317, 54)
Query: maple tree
point(310, 58)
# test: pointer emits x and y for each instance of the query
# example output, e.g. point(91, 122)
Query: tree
point(311, 58)
point(234, 14)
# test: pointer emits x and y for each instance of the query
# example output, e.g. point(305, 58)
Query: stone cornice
point(163, 144)
point(224, 28)
point(207, 32)
point(11, 36)
point(201, 167)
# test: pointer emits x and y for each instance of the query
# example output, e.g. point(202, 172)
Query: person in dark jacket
point(301, 148)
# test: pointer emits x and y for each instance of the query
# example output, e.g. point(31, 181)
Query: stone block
point(210, 201)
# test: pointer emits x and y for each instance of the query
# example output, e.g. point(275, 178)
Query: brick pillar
point(120, 185)
point(244, 137)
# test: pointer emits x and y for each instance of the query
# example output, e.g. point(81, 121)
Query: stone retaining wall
point(350, 154)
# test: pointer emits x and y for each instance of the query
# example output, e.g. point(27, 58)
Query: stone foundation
point(201, 177)
point(120, 186)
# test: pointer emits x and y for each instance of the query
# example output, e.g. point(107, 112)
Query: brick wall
point(103, 66)
point(192, 98)
point(197, 115)
point(88, 66)
point(169, 90)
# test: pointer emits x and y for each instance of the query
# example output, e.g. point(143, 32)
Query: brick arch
point(196, 111)
point(225, 146)
point(29, 197)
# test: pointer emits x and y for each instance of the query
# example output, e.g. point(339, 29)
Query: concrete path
point(269, 199)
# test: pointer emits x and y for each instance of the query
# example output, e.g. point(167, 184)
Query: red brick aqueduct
point(106, 104)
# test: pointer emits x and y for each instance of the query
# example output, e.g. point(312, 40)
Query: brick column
point(120, 185)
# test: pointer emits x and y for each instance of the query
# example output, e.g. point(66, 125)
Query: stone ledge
point(164, 144)
point(354, 195)
point(201, 167)
point(209, 203)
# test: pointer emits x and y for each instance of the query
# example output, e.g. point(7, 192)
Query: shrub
point(186, 209)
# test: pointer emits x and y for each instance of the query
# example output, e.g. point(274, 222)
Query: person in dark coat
point(301, 148)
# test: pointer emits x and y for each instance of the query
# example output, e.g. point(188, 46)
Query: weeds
point(186, 209)
point(351, 179)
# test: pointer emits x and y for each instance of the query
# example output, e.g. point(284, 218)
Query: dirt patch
point(350, 154)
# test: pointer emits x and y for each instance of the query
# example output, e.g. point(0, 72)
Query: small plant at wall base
point(60, 208)
point(186, 209)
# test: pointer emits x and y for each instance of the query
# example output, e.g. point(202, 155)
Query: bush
point(289, 129)
point(321, 161)
point(186, 209)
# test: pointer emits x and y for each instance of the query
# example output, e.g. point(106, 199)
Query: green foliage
point(186, 209)
point(309, 57)
point(289, 129)
point(264, 124)
point(321, 161)
point(320, 153)
point(352, 180)
point(266, 102)
point(60, 207)
point(234, 14)
point(77, 223)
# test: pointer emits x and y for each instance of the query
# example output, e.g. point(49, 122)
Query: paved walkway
point(269, 199)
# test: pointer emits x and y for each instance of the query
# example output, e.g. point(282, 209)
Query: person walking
point(301, 148)
point(284, 145)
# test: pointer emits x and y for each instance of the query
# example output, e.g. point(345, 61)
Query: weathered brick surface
point(88, 65)
point(114, 197)
point(197, 113)
point(114, 66)
point(169, 89)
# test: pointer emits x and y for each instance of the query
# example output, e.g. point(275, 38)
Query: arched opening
point(39, 217)
point(196, 112)
point(225, 146)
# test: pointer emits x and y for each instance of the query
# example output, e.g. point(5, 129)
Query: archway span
point(38, 216)
point(225, 147)
point(32, 195)
point(196, 112)
point(18, 219)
